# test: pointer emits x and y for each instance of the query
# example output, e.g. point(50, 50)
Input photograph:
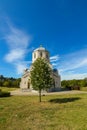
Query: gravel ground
point(20, 92)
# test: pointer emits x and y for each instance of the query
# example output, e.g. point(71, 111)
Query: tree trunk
point(39, 95)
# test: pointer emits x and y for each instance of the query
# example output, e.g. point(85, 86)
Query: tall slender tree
point(41, 78)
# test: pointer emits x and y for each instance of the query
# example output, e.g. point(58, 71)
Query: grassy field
point(84, 88)
point(55, 112)
point(7, 89)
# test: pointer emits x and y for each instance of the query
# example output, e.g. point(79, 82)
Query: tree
point(65, 83)
point(83, 83)
point(6, 84)
point(40, 74)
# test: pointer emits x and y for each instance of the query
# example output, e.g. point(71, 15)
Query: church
point(25, 83)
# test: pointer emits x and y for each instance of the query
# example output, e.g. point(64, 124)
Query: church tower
point(40, 52)
point(25, 83)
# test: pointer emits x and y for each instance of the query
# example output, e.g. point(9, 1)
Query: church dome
point(55, 71)
point(40, 52)
point(40, 48)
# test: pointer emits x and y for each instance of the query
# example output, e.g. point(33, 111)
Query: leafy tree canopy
point(41, 75)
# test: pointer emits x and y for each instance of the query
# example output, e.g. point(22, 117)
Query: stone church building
point(25, 83)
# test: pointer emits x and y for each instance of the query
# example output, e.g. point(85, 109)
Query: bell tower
point(40, 52)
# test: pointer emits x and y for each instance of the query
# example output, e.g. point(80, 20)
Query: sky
point(58, 25)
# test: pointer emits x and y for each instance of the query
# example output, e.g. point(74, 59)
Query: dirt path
point(20, 92)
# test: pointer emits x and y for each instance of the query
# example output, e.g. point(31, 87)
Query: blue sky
point(59, 25)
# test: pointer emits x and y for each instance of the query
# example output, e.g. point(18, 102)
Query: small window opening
point(40, 54)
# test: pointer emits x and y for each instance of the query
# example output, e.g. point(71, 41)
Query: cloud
point(72, 75)
point(54, 64)
point(20, 67)
point(72, 65)
point(17, 38)
point(54, 58)
point(18, 42)
point(75, 62)
point(14, 55)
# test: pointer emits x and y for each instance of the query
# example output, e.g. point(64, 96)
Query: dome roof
point(40, 48)
point(55, 70)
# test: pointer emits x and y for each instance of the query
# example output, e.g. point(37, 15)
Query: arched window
point(47, 56)
point(40, 54)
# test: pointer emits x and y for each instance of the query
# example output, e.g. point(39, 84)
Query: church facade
point(25, 83)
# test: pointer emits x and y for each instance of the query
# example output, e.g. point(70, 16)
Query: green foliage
point(4, 94)
point(9, 82)
point(83, 83)
point(74, 84)
point(6, 84)
point(41, 75)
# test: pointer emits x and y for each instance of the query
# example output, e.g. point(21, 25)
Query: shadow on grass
point(64, 100)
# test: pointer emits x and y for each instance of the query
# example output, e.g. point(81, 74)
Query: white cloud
point(54, 58)
point(70, 75)
point(18, 42)
point(54, 64)
point(22, 65)
point(76, 62)
point(14, 55)
point(17, 38)
point(71, 65)
point(20, 68)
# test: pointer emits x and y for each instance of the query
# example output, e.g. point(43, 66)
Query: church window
point(47, 56)
point(28, 85)
point(40, 54)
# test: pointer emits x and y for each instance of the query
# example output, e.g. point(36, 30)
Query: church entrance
point(28, 85)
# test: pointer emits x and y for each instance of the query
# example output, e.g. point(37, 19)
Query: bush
point(4, 94)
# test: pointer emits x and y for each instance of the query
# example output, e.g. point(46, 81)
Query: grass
point(7, 89)
point(84, 88)
point(55, 112)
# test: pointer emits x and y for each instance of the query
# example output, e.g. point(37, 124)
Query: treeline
point(9, 82)
point(74, 84)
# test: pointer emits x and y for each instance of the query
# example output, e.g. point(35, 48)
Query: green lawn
point(84, 88)
point(55, 112)
point(7, 89)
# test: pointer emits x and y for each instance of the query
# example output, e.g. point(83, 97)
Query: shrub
point(4, 94)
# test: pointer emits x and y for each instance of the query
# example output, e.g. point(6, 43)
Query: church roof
point(40, 48)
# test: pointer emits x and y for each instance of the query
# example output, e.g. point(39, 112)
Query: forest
point(9, 81)
point(66, 84)
point(74, 84)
